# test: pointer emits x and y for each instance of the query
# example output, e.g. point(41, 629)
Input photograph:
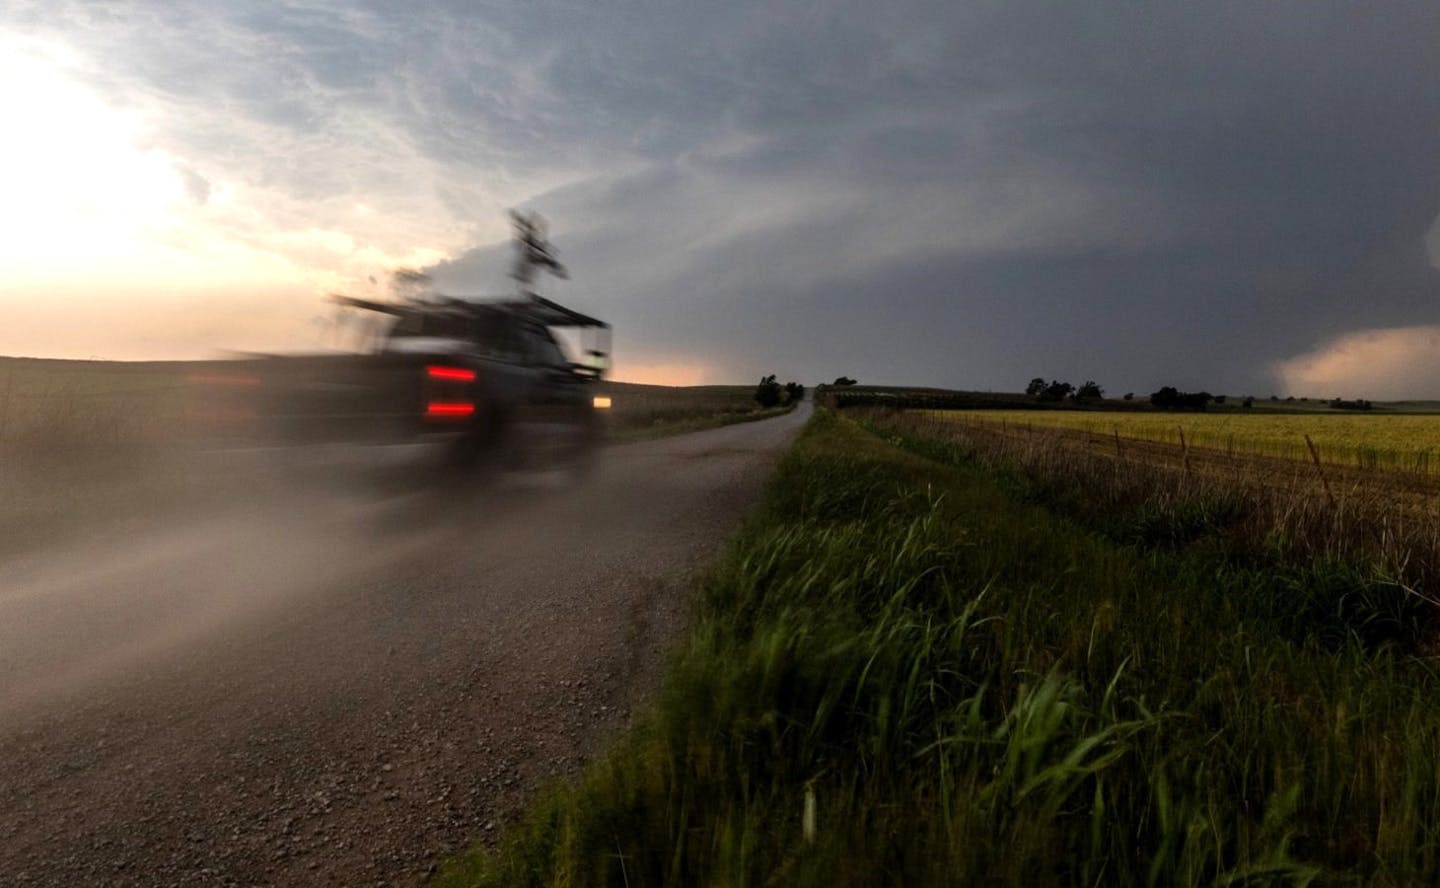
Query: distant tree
point(1129, 396)
point(1057, 391)
point(1089, 391)
point(843, 380)
point(1248, 402)
point(794, 392)
point(1169, 398)
point(1357, 404)
point(1219, 399)
point(1036, 388)
point(767, 393)
point(1274, 397)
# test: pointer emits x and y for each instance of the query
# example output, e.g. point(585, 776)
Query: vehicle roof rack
point(552, 314)
point(390, 308)
point(537, 308)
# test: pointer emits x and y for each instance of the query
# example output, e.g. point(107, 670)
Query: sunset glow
point(97, 220)
point(81, 200)
point(666, 373)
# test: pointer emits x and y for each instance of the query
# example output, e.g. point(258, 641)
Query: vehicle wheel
point(485, 449)
point(581, 464)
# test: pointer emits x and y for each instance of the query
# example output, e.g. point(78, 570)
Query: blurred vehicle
point(484, 382)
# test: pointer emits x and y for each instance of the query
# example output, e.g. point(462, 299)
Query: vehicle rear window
point(443, 326)
point(495, 334)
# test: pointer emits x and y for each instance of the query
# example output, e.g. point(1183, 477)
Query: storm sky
point(1241, 197)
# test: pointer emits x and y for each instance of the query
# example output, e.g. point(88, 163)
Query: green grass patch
point(903, 672)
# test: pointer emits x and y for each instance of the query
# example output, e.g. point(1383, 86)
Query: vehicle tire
point(485, 448)
point(581, 464)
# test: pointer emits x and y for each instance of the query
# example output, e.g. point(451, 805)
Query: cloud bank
point(1395, 364)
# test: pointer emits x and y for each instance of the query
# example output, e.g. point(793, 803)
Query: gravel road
point(332, 684)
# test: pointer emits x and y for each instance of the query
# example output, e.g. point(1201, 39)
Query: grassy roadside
point(909, 670)
point(660, 428)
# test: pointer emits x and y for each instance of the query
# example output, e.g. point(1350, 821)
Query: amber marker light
point(601, 402)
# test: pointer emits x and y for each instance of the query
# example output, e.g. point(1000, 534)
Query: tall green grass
point(902, 673)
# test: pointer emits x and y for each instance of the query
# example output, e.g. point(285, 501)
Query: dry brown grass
point(84, 444)
point(1389, 519)
point(643, 410)
point(81, 413)
point(87, 444)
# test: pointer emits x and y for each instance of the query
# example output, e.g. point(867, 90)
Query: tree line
point(1055, 390)
point(1165, 398)
point(770, 393)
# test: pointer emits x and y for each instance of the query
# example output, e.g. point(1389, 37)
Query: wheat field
point(1406, 441)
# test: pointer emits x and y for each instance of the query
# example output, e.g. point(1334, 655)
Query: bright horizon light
point(80, 197)
point(96, 221)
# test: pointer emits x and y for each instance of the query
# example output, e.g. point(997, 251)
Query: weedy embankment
point(915, 667)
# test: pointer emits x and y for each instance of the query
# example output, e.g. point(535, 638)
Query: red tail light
point(453, 374)
point(449, 409)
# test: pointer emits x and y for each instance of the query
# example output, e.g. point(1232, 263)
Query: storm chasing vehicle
point(481, 382)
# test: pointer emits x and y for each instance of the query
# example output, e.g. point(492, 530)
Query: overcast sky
point(1236, 196)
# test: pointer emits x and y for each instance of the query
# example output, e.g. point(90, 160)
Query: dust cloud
point(236, 539)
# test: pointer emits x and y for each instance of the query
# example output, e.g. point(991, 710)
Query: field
point(93, 443)
point(90, 413)
point(646, 410)
point(1408, 442)
point(64, 411)
point(943, 654)
point(84, 444)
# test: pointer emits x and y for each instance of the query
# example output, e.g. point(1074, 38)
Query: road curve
point(332, 684)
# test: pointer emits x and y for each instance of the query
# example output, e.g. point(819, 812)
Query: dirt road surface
point(338, 683)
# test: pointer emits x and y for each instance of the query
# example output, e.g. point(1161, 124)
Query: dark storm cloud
point(965, 194)
point(974, 196)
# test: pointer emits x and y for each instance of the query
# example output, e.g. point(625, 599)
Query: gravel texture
point(327, 683)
